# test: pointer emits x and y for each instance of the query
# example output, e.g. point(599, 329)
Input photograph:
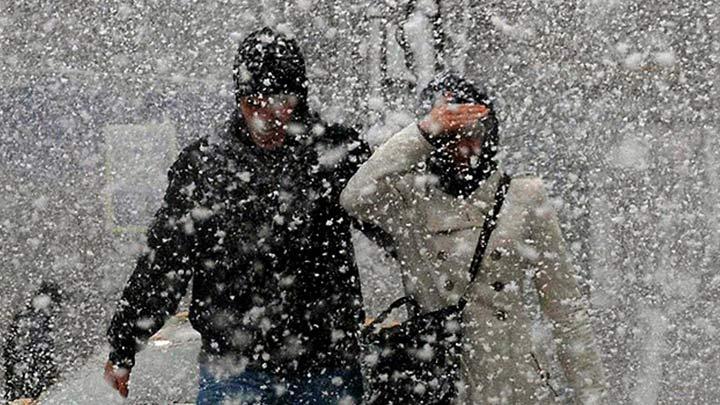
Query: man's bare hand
point(118, 378)
point(448, 118)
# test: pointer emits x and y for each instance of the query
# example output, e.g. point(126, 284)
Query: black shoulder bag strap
point(488, 228)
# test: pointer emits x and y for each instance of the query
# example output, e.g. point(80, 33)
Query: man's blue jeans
point(255, 387)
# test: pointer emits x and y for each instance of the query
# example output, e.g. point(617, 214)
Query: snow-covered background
point(611, 101)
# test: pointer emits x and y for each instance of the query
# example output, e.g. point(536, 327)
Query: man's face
point(267, 117)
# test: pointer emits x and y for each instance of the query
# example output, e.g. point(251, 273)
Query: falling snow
point(610, 102)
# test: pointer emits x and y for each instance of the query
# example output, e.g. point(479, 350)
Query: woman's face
point(466, 150)
point(464, 144)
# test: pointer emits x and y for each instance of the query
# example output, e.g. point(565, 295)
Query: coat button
point(498, 286)
point(442, 255)
point(496, 254)
point(501, 315)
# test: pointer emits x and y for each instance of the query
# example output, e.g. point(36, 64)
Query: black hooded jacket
point(265, 242)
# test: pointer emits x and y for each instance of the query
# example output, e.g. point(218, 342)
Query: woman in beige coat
point(430, 186)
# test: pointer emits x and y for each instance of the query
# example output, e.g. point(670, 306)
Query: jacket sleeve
point(371, 195)
point(562, 302)
point(162, 273)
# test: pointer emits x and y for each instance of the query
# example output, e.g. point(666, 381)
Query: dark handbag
point(416, 362)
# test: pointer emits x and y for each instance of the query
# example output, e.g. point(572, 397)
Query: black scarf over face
point(454, 179)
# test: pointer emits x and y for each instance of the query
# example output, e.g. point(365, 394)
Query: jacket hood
point(268, 62)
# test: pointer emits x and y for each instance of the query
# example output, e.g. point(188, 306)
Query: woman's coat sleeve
point(563, 304)
point(371, 194)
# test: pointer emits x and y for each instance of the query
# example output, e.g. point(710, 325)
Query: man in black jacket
point(252, 216)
